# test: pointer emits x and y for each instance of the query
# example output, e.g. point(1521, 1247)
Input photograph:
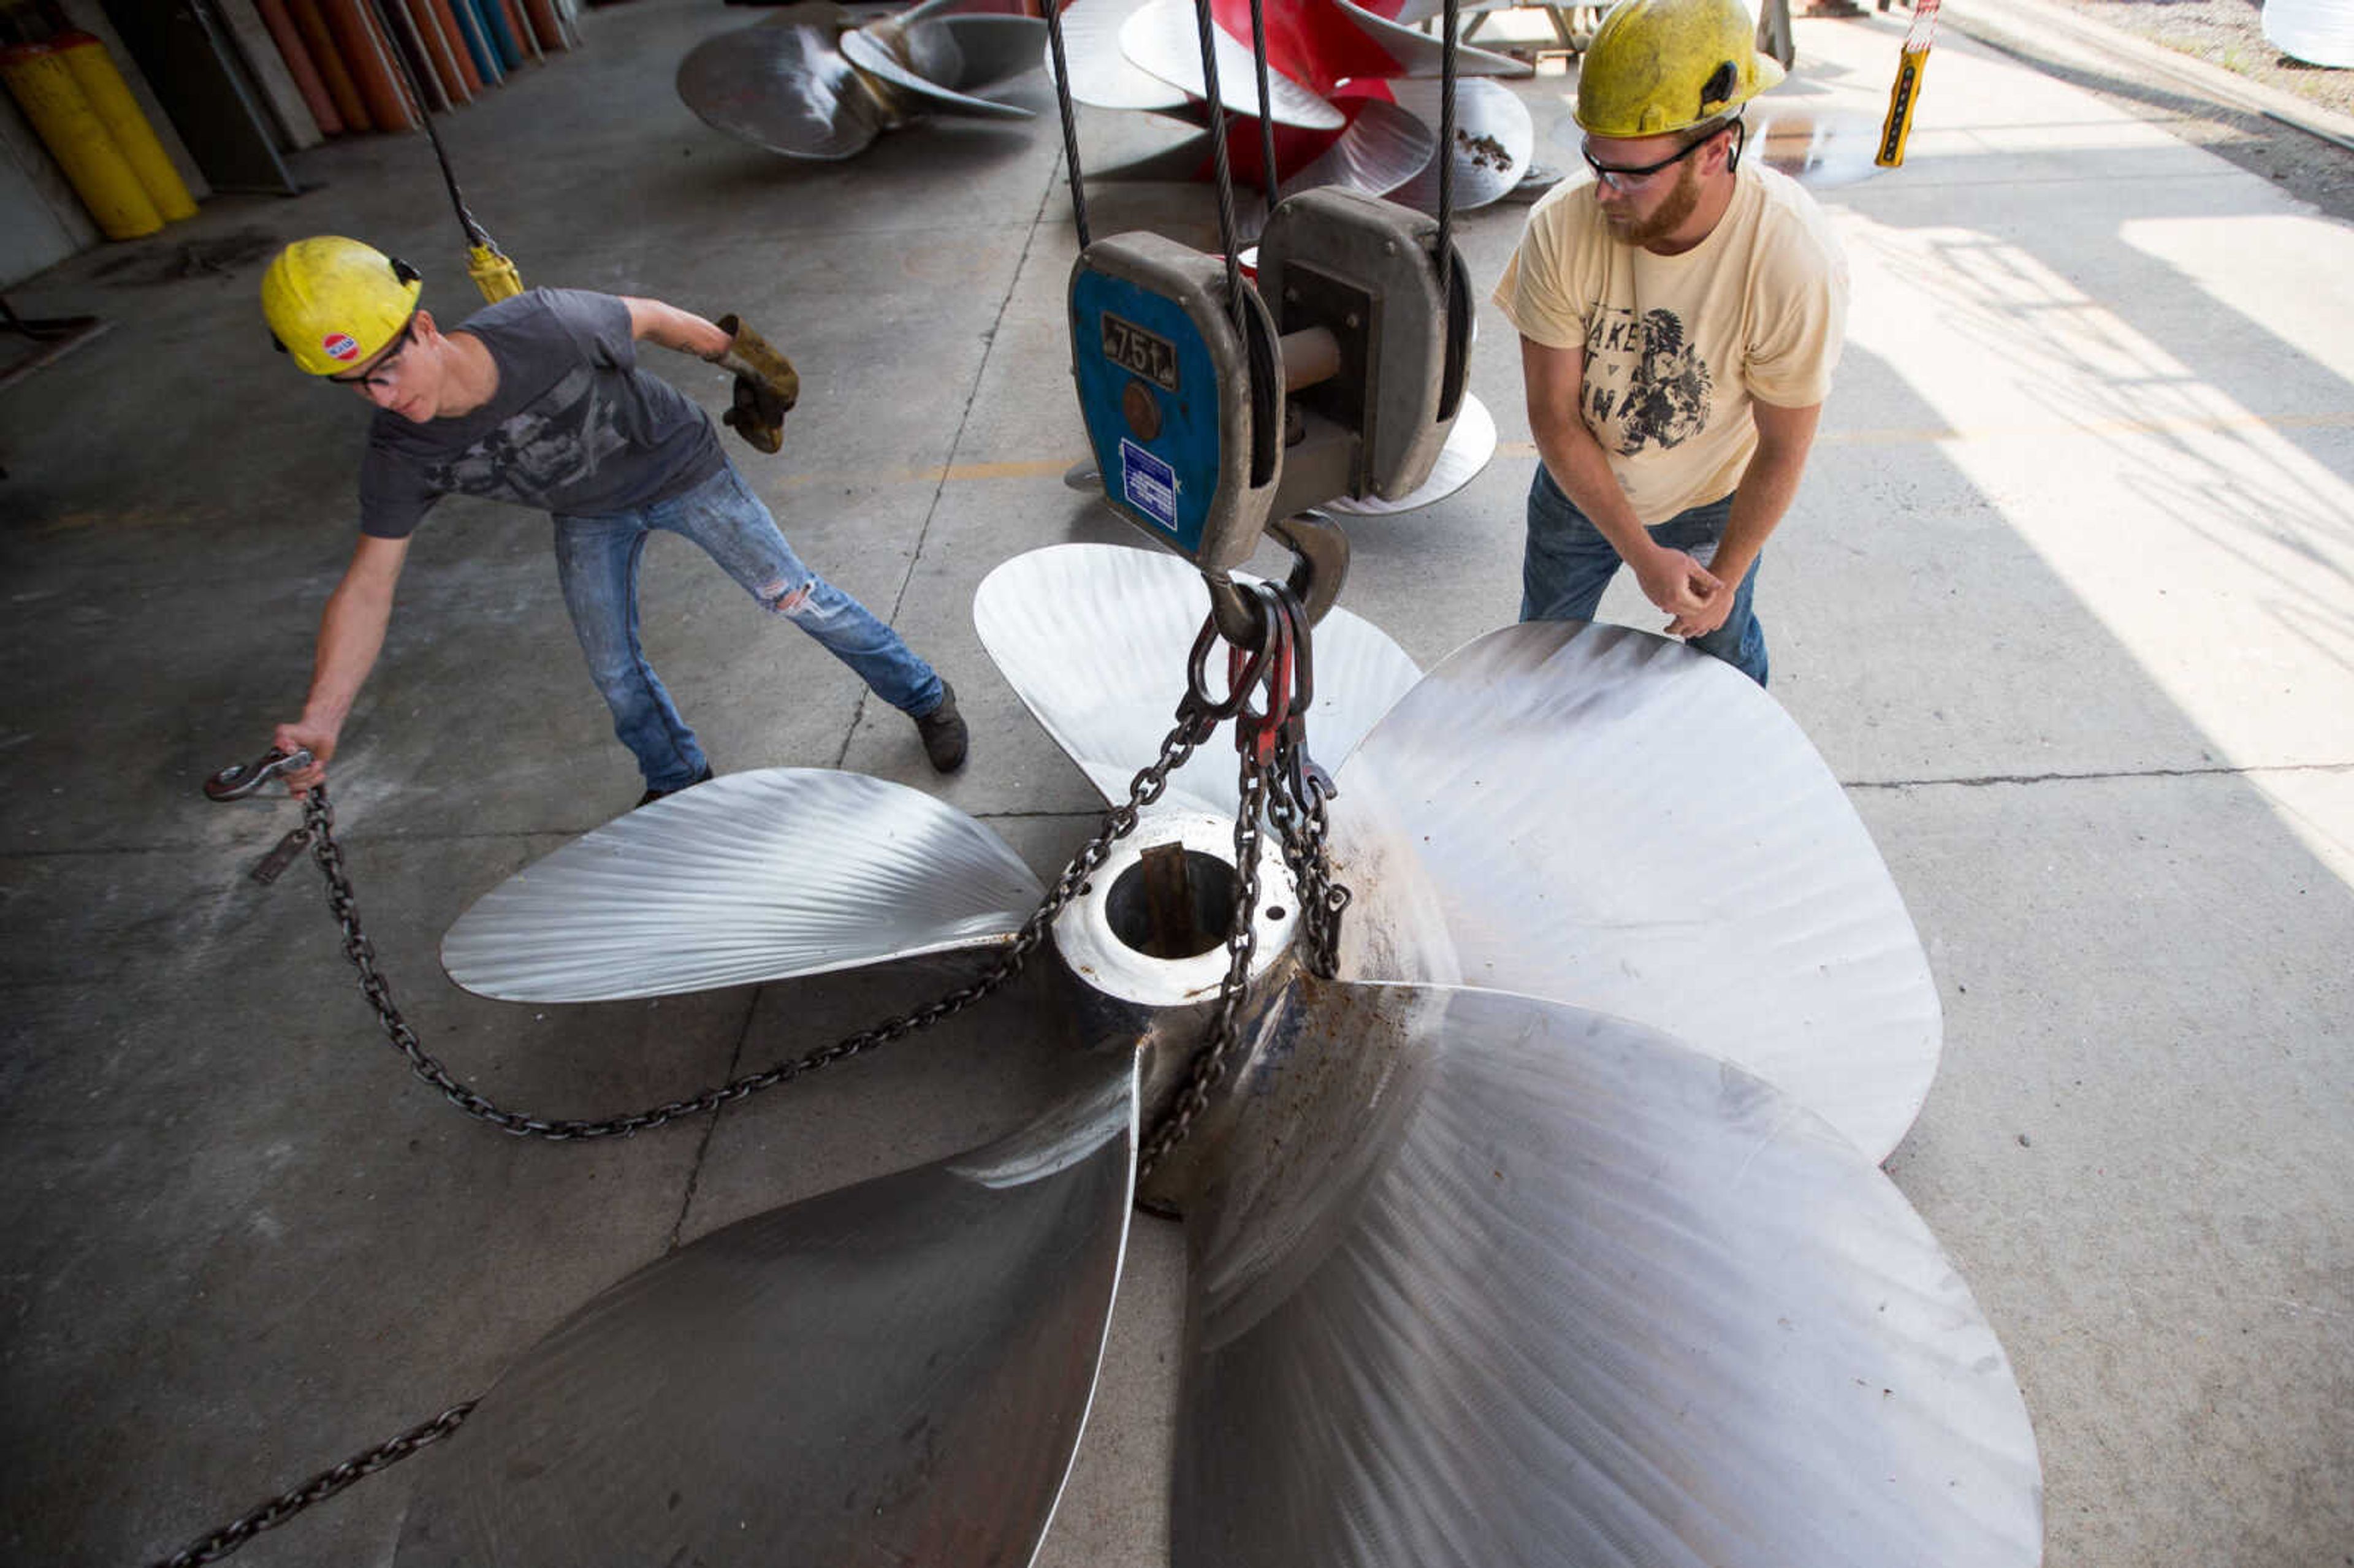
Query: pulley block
point(1340, 376)
point(1365, 272)
point(1182, 405)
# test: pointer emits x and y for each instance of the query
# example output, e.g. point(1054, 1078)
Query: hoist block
point(1185, 404)
point(1184, 407)
point(1366, 272)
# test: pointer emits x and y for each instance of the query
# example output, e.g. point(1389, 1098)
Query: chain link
point(1118, 822)
point(220, 1543)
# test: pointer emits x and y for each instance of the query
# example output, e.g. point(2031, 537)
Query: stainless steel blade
point(989, 48)
point(1163, 39)
point(933, 49)
point(752, 877)
point(783, 85)
point(1489, 1281)
point(1094, 638)
point(1470, 444)
point(1102, 73)
point(1613, 819)
point(1494, 141)
point(1422, 54)
point(890, 1373)
point(1382, 148)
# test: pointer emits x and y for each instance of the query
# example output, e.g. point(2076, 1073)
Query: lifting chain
point(1277, 782)
point(1282, 783)
point(1118, 822)
point(220, 1544)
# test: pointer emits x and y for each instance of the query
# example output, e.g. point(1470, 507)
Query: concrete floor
point(2067, 602)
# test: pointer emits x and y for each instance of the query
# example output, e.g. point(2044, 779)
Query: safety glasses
point(1620, 178)
point(373, 376)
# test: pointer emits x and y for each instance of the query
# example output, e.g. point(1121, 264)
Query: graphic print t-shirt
point(1678, 347)
point(574, 427)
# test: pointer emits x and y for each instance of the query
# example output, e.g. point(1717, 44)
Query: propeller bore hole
point(1175, 902)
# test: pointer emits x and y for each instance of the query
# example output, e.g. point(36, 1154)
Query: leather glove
point(767, 386)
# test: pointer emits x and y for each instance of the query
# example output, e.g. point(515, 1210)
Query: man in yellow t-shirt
point(1679, 316)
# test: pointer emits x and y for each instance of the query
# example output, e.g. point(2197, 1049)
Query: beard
point(1678, 205)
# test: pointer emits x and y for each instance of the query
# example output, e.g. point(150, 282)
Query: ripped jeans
point(597, 561)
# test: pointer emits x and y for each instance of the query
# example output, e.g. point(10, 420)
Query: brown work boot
point(943, 732)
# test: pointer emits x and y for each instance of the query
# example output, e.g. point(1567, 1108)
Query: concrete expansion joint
point(1981, 780)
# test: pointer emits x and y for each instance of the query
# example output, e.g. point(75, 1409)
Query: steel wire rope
point(1226, 174)
point(475, 235)
point(1447, 159)
point(1070, 118)
point(1266, 120)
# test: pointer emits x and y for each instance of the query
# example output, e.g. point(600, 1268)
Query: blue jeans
point(597, 561)
point(1568, 563)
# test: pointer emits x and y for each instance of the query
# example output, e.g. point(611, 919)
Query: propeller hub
point(1146, 947)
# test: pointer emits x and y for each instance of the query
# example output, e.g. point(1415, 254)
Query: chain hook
point(240, 779)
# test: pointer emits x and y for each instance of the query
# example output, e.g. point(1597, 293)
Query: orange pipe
point(456, 39)
point(365, 57)
point(436, 49)
point(545, 24)
point(321, 42)
point(301, 66)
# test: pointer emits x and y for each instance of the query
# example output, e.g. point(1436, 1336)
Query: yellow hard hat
point(1658, 66)
point(335, 303)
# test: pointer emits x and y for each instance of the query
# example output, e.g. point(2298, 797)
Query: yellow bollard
point(44, 86)
point(109, 98)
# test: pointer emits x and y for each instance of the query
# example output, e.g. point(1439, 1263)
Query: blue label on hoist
point(1126, 335)
point(1149, 484)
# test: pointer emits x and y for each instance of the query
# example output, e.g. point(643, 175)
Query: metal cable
point(474, 235)
point(1070, 118)
point(1266, 120)
point(1446, 157)
point(1226, 174)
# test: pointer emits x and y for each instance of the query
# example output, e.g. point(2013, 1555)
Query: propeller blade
point(1380, 151)
point(783, 84)
point(989, 48)
point(1494, 141)
point(752, 877)
point(890, 1373)
point(1094, 639)
point(1420, 54)
point(1163, 38)
point(1612, 818)
point(939, 63)
point(1471, 443)
point(1102, 75)
point(1483, 1279)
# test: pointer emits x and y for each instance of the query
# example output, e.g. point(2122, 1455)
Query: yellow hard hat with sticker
point(1661, 66)
point(335, 303)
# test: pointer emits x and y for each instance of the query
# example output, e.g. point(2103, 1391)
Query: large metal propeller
point(1500, 1250)
point(809, 82)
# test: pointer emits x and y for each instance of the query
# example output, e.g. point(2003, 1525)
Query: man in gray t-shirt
point(538, 400)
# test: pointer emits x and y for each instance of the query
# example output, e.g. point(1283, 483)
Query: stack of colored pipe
point(83, 112)
point(340, 53)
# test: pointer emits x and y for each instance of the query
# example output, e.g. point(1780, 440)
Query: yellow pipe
point(45, 87)
point(109, 98)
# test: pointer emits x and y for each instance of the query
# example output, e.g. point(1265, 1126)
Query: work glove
point(767, 386)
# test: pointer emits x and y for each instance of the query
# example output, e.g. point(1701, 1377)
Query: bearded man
point(1680, 314)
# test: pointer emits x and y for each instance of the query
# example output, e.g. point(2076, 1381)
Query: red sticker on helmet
point(339, 345)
